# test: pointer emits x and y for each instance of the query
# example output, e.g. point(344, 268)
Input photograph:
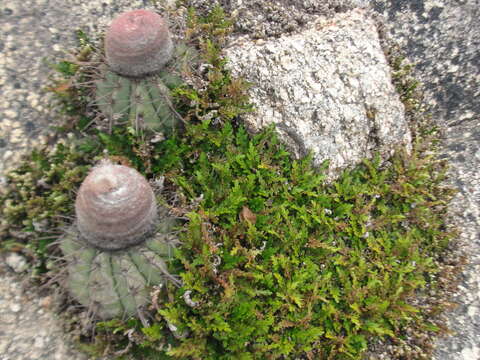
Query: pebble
point(4, 346)
point(17, 262)
point(34, 102)
point(15, 308)
point(39, 342)
point(46, 302)
point(10, 113)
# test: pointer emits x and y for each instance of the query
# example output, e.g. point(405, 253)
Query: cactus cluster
point(142, 67)
point(120, 244)
point(121, 241)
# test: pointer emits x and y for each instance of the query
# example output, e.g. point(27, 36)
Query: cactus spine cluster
point(120, 244)
point(121, 241)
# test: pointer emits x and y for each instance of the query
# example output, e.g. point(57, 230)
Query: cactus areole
point(115, 207)
point(138, 43)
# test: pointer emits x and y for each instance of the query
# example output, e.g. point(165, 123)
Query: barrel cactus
point(120, 243)
point(142, 67)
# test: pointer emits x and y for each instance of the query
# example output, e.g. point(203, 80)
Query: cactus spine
point(120, 244)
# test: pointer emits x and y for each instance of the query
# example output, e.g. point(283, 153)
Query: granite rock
point(442, 39)
point(262, 19)
point(327, 89)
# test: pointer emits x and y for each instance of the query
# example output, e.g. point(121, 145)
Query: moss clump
point(38, 196)
point(275, 263)
point(281, 265)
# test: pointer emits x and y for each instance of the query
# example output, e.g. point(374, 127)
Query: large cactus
point(120, 244)
point(142, 66)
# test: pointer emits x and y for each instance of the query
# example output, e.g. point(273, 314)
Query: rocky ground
point(441, 37)
point(28, 327)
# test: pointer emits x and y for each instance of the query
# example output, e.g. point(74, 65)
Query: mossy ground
point(275, 262)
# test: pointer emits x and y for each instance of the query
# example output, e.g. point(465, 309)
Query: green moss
point(275, 263)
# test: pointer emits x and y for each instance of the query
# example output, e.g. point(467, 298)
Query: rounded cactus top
point(138, 43)
point(115, 207)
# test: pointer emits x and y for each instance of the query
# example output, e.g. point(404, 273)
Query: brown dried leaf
point(286, 324)
point(247, 215)
point(61, 88)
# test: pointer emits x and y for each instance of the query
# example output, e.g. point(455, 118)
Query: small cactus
point(118, 247)
point(142, 66)
point(138, 43)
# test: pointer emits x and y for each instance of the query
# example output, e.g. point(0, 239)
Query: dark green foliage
point(282, 265)
point(223, 98)
point(66, 68)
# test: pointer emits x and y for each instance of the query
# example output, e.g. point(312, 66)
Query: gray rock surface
point(442, 39)
point(263, 19)
point(28, 327)
point(327, 89)
point(16, 262)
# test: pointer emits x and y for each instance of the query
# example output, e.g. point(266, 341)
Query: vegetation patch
point(275, 263)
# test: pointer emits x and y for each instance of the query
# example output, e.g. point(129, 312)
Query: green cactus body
point(120, 244)
point(116, 284)
point(145, 103)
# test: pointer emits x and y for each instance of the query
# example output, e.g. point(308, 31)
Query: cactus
point(142, 66)
point(119, 245)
